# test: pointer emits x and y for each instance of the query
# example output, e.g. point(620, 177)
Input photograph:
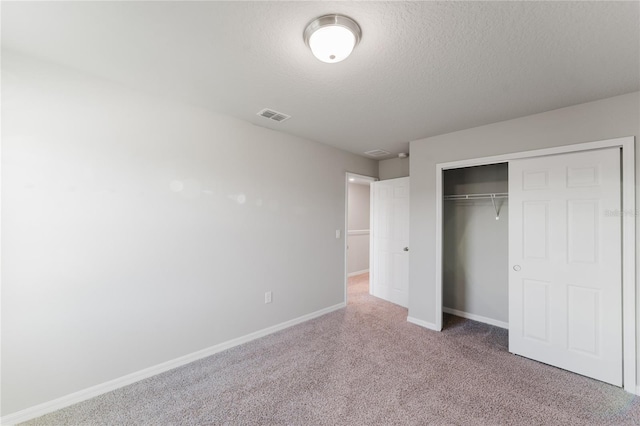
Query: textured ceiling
point(422, 68)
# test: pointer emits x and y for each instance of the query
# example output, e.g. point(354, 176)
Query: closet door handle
point(406, 249)
point(516, 268)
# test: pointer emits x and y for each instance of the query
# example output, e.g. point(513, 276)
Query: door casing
point(627, 145)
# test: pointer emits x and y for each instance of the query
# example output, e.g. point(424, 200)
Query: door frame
point(346, 226)
point(627, 145)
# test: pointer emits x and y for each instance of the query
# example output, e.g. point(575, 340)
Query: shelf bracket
point(495, 206)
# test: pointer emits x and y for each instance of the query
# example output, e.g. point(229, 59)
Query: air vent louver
point(273, 115)
point(377, 153)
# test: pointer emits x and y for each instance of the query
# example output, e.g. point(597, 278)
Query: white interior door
point(390, 240)
point(565, 287)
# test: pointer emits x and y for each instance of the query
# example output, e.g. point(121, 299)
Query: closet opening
point(475, 244)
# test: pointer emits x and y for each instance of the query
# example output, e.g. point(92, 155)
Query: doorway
point(357, 229)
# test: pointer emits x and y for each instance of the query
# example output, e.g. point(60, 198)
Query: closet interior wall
point(475, 244)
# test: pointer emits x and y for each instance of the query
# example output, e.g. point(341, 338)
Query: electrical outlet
point(267, 297)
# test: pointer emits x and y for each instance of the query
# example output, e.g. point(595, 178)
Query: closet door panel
point(565, 286)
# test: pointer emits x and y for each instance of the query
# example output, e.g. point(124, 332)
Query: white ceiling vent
point(377, 153)
point(273, 115)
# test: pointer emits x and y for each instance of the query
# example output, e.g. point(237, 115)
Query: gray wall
point(605, 119)
point(475, 244)
point(359, 202)
point(393, 168)
point(358, 242)
point(137, 230)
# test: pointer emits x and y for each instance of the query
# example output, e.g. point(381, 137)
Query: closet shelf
point(491, 197)
point(476, 196)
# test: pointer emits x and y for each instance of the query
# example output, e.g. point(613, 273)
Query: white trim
point(424, 324)
point(628, 244)
point(353, 274)
point(372, 208)
point(475, 317)
point(356, 232)
point(629, 282)
point(93, 391)
point(439, 246)
point(563, 149)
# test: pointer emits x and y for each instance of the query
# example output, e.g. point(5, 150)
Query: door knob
point(406, 249)
point(516, 268)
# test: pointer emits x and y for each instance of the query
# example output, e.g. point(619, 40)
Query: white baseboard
point(475, 317)
point(422, 323)
point(353, 274)
point(93, 391)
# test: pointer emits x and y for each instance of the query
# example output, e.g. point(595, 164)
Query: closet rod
point(476, 196)
point(492, 197)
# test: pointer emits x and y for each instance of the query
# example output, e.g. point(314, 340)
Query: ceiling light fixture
point(332, 38)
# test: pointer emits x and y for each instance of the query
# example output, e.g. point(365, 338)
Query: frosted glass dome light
point(332, 38)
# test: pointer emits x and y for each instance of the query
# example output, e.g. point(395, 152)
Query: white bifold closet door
point(565, 285)
point(390, 240)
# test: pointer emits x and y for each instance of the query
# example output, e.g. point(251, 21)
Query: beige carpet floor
point(363, 365)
